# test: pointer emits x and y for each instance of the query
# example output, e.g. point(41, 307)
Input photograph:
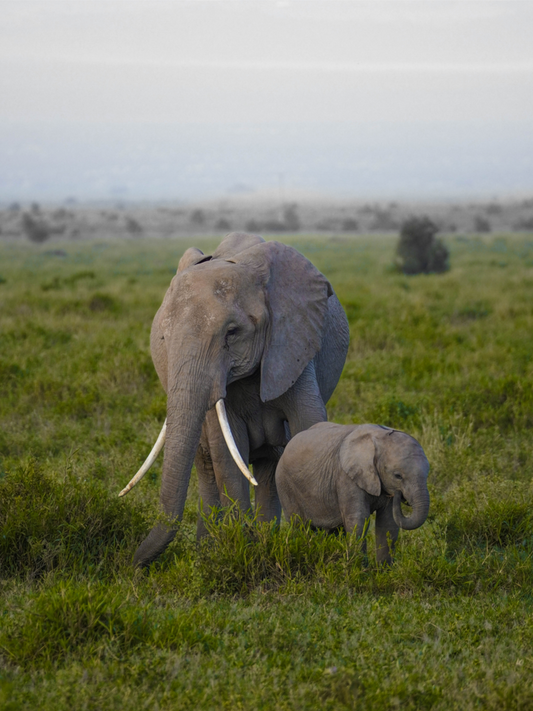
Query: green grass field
point(259, 618)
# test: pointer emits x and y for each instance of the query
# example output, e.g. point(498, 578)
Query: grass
point(258, 617)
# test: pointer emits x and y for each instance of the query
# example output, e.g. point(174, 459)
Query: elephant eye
point(232, 331)
point(398, 476)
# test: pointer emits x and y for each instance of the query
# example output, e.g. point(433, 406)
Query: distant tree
point(327, 224)
point(481, 224)
point(132, 226)
point(290, 218)
point(222, 224)
point(198, 217)
point(383, 221)
point(35, 230)
point(494, 208)
point(274, 226)
point(524, 225)
point(253, 226)
point(350, 224)
point(418, 251)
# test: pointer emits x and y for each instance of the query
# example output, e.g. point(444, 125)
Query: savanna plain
point(258, 617)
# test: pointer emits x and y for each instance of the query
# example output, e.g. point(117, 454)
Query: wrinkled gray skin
point(337, 475)
point(258, 325)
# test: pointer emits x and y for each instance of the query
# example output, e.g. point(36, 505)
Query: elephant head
point(378, 457)
point(250, 306)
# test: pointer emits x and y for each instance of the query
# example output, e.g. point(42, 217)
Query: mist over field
point(185, 161)
point(270, 213)
point(199, 100)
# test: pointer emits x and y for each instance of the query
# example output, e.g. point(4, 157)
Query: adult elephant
point(251, 341)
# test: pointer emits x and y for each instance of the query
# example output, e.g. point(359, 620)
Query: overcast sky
point(183, 99)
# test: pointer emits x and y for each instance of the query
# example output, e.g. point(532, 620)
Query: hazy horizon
point(194, 100)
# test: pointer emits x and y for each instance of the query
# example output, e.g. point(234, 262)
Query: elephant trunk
point(189, 399)
point(420, 506)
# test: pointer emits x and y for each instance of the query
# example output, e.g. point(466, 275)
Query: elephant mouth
point(419, 510)
point(403, 500)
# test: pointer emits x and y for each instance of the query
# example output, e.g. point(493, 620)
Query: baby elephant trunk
point(420, 506)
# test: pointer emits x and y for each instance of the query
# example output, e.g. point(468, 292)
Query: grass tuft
point(74, 620)
point(242, 554)
point(490, 513)
point(48, 523)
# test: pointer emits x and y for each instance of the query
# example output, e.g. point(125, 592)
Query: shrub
point(418, 250)
point(493, 208)
point(103, 302)
point(253, 226)
point(350, 225)
point(198, 217)
point(526, 223)
point(291, 219)
point(223, 225)
point(274, 226)
point(481, 224)
point(328, 224)
point(383, 221)
point(133, 226)
point(35, 230)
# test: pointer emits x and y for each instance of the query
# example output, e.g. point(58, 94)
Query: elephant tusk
point(228, 436)
point(149, 460)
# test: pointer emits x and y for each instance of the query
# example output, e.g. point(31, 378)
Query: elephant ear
point(297, 299)
point(190, 257)
point(236, 242)
point(357, 455)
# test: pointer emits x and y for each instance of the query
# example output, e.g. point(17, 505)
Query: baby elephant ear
point(357, 460)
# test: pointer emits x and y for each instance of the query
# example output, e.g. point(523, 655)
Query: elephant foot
point(153, 545)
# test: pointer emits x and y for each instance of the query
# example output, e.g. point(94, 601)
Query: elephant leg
point(207, 486)
point(386, 533)
point(302, 404)
point(355, 513)
point(232, 485)
point(267, 503)
point(359, 527)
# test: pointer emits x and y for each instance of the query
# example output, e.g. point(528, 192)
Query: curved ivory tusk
point(228, 436)
point(149, 460)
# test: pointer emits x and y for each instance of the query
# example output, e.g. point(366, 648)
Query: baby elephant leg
point(386, 533)
point(355, 516)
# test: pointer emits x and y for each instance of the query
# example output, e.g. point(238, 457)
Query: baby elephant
point(337, 475)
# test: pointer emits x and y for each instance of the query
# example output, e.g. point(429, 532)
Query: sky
point(187, 99)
